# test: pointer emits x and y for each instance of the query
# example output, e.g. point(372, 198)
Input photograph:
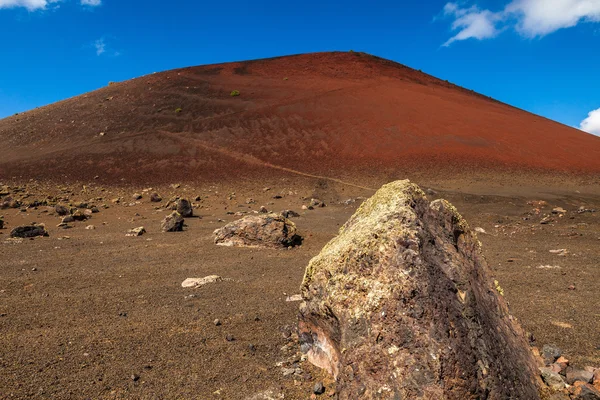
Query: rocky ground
point(97, 309)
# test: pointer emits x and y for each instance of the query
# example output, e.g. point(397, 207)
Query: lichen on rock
point(401, 304)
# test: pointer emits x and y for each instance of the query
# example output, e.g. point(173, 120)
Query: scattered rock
point(184, 207)
point(319, 388)
point(560, 252)
point(289, 214)
point(139, 231)
point(94, 210)
point(135, 377)
point(172, 223)
point(1, 223)
point(61, 210)
point(480, 230)
point(155, 198)
point(90, 227)
point(316, 203)
point(217, 322)
point(67, 219)
point(295, 297)
point(550, 353)
point(79, 216)
point(586, 392)
point(267, 231)
point(263, 210)
point(405, 287)
point(136, 196)
point(196, 282)
point(546, 220)
point(29, 231)
point(574, 375)
point(558, 210)
point(230, 338)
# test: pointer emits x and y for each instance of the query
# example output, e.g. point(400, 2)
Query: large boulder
point(29, 231)
point(401, 305)
point(266, 230)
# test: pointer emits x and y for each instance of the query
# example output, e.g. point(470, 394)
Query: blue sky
point(539, 55)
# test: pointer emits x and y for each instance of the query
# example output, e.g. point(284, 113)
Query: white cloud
point(530, 18)
point(592, 123)
point(471, 23)
point(34, 5)
point(100, 47)
point(30, 5)
point(541, 17)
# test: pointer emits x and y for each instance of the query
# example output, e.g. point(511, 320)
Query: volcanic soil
point(93, 313)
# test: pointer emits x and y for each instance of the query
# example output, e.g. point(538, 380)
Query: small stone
point(229, 338)
point(135, 377)
point(196, 282)
point(90, 227)
point(155, 198)
point(252, 348)
point(304, 207)
point(288, 371)
point(61, 210)
point(79, 216)
point(94, 210)
point(571, 287)
point(263, 210)
point(289, 214)
point(139, 231)
point(217, 322)
point(317, 203)
point(295, 297)
point(319, 388)
point(558, 210)
point(67, 219)
point(546, 220)
point(136, 196)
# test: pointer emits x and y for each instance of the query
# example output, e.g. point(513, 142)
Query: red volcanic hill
point(324, 113)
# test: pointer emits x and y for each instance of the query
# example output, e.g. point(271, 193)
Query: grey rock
point(290, 214)
point(550, 353)
point(588, 392)
point(172, 223)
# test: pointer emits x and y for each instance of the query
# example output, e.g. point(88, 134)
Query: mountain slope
point(323, 113)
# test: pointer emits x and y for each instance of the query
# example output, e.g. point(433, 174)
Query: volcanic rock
point(401, 304)
point(266, 230)
point(155, 198)
point(196, 282)
point(28, 231)
point(139, 231)
point(575, 375)
point(172, 222)
point(61, 210)
point(184, 207)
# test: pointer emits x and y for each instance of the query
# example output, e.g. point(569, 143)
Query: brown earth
point(83, 311)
